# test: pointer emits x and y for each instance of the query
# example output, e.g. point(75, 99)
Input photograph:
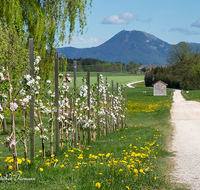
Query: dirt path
point(185, 115)
point(130, 84)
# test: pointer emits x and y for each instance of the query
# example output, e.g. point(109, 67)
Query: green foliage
point(44, 21)
point(13, 54)
point(133, 67)
point(183, 70)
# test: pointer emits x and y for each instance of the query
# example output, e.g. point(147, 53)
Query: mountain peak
point(125, 46)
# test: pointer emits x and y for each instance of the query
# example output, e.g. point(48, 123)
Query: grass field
point(121, 78)
point(134, 158)
point(191, 95)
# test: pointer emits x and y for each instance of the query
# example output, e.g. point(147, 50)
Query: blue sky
point(172, 21)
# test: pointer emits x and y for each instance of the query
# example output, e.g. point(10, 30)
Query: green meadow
point(121, 78)
point(191, 95)
point(136, 157)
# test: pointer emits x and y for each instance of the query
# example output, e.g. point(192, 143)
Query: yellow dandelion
point(98, 185)
point(141, 170)
point(47, 164)
point(135, 171)
point(100, 173)
point(52, 155)
point(76, 167)
point(56, 160)
point(101, 163)
point(74, 186)
point(19, 161)
point(40, 151)
point(20, 171)
point(120, 170)
point(66, 155)
point(41, 169)
point(127, 187)
point(10, 167)
point(62, 166)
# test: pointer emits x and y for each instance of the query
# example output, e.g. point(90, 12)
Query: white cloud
point(184, 31)
point(196, 24)
point(114, 19)
point(91, 40)
point(124, 18)
point(127, 16)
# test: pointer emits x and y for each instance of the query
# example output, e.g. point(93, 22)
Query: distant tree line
point(183, 70)
point(97, 65)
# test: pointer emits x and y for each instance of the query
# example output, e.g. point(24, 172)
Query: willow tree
point(46, 22)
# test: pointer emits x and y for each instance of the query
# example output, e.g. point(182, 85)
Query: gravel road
point(185, 115)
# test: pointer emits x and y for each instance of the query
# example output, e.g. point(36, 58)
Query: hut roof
point(161, 82)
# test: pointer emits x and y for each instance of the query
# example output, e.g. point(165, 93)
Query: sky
point(172, 21)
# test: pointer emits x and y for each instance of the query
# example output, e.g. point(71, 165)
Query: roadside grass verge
point(133, 158)
point(191, 95)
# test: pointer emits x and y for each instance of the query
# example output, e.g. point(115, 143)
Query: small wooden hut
point(160, 88)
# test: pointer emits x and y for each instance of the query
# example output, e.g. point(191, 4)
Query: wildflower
point(76, 167)
point(135, 171)
point(20, 171)
point(0, 174)
point(40, 151)
point(101, 163)
point(74, 186)
point(155, 178)
point(100, 173)
point(120, 170)
point(41, 169)
point(127, 187)
point(10, 167)
point(47, 164)
point(62, 166)
point(56, 160)
point(98, 185)
point(141, 170)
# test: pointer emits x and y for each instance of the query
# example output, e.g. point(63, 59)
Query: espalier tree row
point(89, 109)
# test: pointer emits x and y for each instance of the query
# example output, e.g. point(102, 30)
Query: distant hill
point(125, 46)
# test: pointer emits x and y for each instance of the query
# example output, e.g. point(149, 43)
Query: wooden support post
point(112, 106)
point(75, 116)
point(118, 110)
point(32, 132)
point(106, 107)
point(56, 104)
point(98, 105)
point(122, 107)
point(125, 107)
point(88, 84)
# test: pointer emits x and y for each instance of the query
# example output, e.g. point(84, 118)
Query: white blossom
point(1, 117)
point(37, 128)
